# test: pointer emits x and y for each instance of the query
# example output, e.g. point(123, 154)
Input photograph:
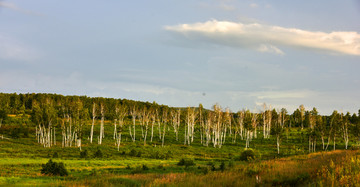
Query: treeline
point(144, 121)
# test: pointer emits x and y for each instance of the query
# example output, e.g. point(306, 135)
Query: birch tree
point(102, 133)
point(45, 117)
point(239, 128)
point(313, 117)
point(164, 121)
point(248, 127)
point(302, 114)
point(175, 120)
point(267, 119)
point(190, 125)
point(278, 129)
point(344, 120)
point(209, 127)
point(217, 128)
point(146, 117)
point(121, 112)
point(201, 123)
point(93, 122)
point(133, 113)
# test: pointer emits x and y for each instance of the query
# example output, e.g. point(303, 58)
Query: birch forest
point(72, 121)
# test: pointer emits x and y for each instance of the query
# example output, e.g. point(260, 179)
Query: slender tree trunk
point(101, 124)
point(93, 122)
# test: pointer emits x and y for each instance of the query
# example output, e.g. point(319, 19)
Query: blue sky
point(239, 54)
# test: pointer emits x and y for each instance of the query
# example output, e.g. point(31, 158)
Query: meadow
point(136, 164)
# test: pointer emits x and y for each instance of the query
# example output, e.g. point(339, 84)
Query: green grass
point(21, 160)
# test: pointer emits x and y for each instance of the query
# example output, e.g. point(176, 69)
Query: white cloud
point(270, 49)
point(16, 8)
point(255, 35)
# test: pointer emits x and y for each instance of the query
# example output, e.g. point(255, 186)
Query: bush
point(55, 155)
point(98, 154)
point(222, 166)
point(144, 167)
point(84, 154)
point(15, 133)
point(54, 168)
point(138, 154)
point(247, 155)
point(186, 162)
point(203, 170)
point(133, 152)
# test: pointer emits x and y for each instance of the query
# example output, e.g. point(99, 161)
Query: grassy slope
point(21, 161)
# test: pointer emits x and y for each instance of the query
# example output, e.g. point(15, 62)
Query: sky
point(239, 54)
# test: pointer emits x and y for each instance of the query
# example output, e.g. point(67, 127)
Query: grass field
point(154, 165)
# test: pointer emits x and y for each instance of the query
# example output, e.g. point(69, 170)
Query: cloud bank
point(267, 38)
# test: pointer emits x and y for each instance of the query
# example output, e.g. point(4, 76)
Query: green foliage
point(55, 155)
point(15, 132)
point(222, 166)
point(160, 155)
point(85, 154)
point(98, 154)
point(3, 115)
point(144, 167)
point(186, 162)
point(54, 168)
point(133, 152)
point(247, 155)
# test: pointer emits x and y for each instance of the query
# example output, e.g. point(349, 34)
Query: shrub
point(186, 162)
point(168, 155)
point(203, 170)
point(54, 168)
point(222, 166)
point(133, 152)
point(98, 154)
point(138, 154)
point(55, 155)
point(15, 133)
point(247, 155)
point(84, 154)
point(144, 167)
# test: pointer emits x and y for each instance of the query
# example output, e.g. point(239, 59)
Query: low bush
point(98, 154)
point(84, 154)
point(54, 168)
point(186, 162)
point(55, 155)
point(144, 167)
point(222, 166)
point(247, 155)
point(133, 152)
